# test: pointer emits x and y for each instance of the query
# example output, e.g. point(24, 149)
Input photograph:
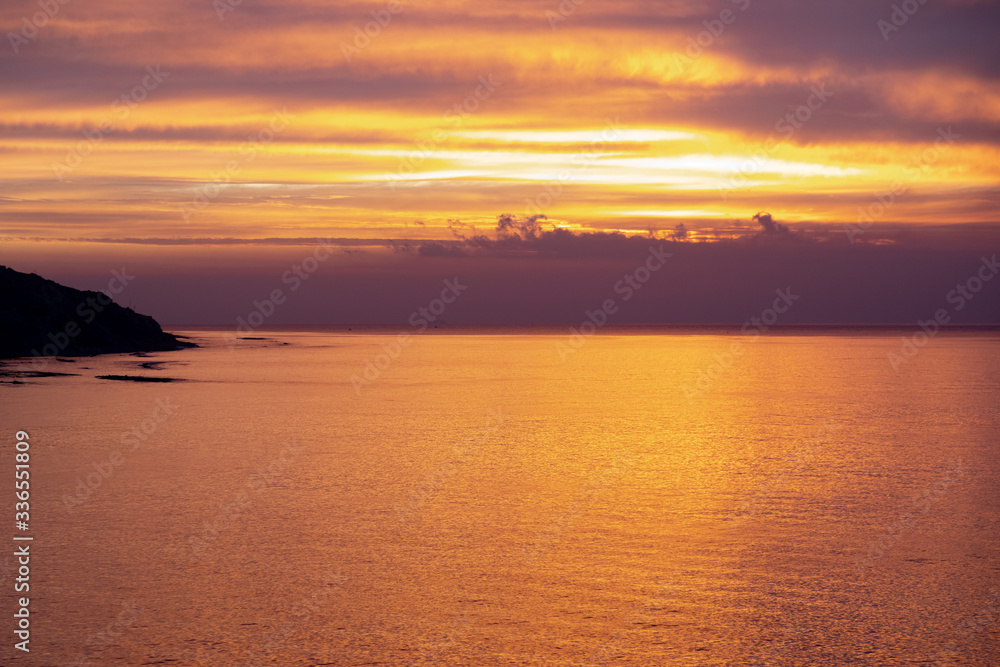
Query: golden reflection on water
point(646, 501)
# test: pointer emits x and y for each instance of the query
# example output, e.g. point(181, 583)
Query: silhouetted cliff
point(42, 317)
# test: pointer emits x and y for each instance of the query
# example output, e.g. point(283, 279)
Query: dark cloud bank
point(525, 272)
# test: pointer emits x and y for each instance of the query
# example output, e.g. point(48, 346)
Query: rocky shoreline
point(41, 318)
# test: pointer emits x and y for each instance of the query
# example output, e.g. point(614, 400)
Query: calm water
point(482, 501)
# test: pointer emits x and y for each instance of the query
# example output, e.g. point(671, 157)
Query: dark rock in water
point(34, 374)
point(39, 317)
point(136, 378)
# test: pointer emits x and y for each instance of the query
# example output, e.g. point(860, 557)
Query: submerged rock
point(137, 378)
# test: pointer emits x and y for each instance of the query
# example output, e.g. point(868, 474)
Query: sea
point(523, 496)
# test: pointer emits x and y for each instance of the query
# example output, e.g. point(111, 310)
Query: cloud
point(521, 236)
point(768, 225)
point(551, 279)
point(509, 225)
point(358, 122)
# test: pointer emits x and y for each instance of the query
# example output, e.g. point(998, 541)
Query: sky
point(206, 145)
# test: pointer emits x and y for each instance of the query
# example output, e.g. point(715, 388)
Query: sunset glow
point(529, 332)
point(290, 121)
